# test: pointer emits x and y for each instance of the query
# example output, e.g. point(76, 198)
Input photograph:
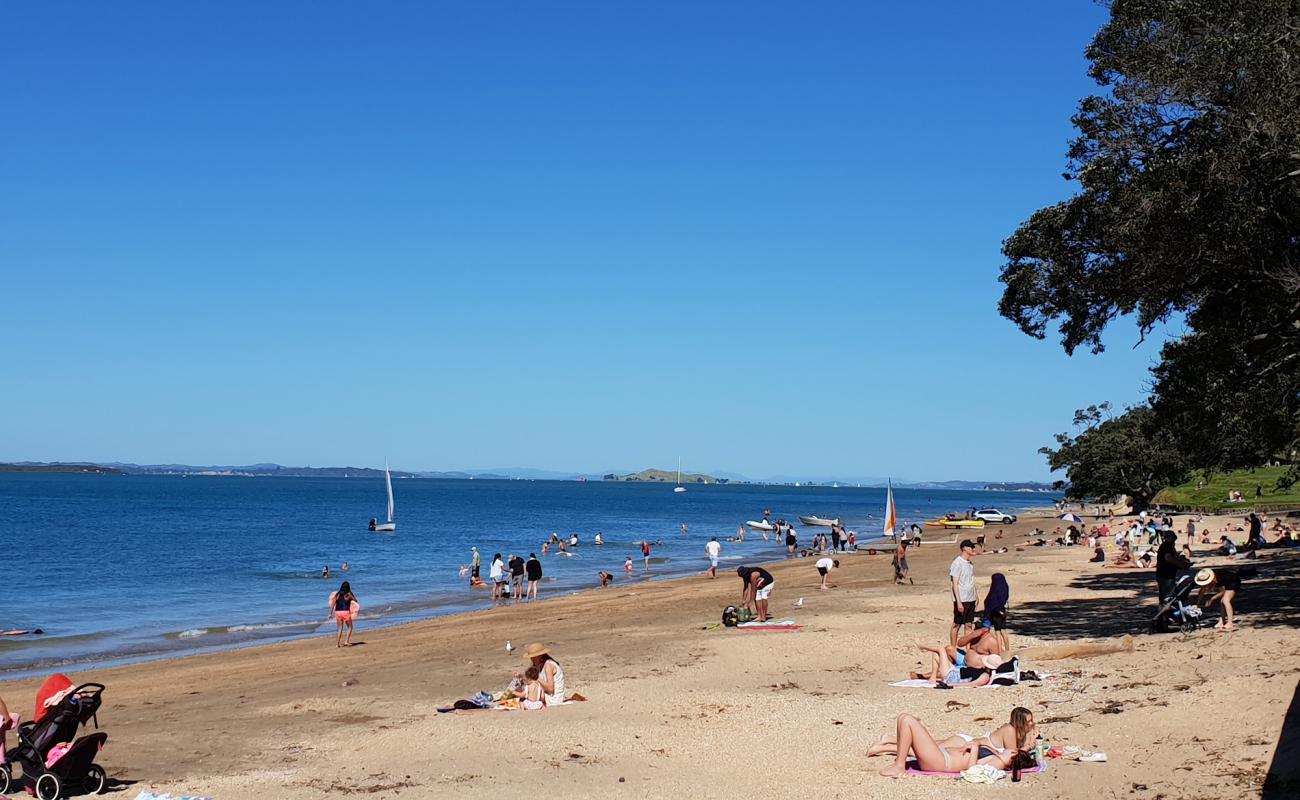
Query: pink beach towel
point(912, 770)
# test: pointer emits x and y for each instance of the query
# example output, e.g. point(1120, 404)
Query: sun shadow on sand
point(1265, 600)
point(1283, 779)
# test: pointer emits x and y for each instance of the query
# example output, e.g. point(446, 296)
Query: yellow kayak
point(955, 523)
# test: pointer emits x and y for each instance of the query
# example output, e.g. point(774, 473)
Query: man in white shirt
point(962, 573)
point(824, 567)
point(712, 549)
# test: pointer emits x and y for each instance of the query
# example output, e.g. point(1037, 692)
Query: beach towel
point(913, 770)
point(147, 795)
point(770, 625)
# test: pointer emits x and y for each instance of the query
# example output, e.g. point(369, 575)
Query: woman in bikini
point(958, 752)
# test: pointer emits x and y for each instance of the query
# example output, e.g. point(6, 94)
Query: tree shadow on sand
point(1266, 600)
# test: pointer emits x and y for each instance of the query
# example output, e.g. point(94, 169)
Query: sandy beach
point(679, 707)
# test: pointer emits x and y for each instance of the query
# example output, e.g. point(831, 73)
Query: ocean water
point(117, 568)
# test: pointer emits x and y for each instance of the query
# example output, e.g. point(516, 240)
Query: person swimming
point(325, 571)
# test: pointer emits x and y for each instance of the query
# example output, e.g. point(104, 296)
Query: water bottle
point(1015, 767)
point(1039, 751)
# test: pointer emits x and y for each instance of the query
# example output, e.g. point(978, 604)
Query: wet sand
point(680, 707)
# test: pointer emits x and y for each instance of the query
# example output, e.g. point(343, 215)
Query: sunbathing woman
point(950, 672)
point(1020, 729)
point(913, 739)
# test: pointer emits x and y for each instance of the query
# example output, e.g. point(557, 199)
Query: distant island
point(664, 476)
point(509, 474)
point(81, 469)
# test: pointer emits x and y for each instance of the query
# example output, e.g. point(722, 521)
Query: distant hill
point(81, 469)
point(258, 471)
point(664, 476)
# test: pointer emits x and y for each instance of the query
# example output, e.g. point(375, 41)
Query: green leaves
point(1188, 203)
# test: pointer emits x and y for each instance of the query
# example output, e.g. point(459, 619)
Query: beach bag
point(1007, 674)
point(730, 618)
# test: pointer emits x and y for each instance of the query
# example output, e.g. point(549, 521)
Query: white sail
point(388, 481)
point(890, 513)
point(679, 488)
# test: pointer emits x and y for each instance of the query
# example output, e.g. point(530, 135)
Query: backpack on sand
point(730, 618)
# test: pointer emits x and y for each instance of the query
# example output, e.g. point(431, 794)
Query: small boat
point(891, 515)
point(389, 525)
point(954, 523)
point(679, 488)
point(820, 522)
point(760, 526)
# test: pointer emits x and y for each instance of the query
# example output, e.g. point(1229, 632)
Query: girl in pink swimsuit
point(344, 607)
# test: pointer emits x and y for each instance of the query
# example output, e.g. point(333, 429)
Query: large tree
point(1113, 456)
point(1188, 170)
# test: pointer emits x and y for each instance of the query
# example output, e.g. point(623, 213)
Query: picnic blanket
point(770, 625)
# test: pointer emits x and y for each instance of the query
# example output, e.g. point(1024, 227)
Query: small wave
point(191, 633)
point(269, 626)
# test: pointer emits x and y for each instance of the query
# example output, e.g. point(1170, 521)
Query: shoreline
point(676, 704)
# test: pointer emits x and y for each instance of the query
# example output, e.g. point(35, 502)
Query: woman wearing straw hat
point(1225, 583)
point(549, 673)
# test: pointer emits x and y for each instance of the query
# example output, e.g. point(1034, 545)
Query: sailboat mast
point(388, 482)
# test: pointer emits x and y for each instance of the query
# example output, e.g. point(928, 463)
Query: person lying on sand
point(911, 738)
point(956, 672)
point(1019, 733)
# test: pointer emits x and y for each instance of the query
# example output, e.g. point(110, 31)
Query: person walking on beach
point(824, 567)
point(740, 533)
point(343, 606)
point(962, 573)
point(835, 537)
point(645, 554)
point(900, 562)
point(713, 549)
point(791, 540)
point(627, 565)
point(534, 571)
point(474, 563)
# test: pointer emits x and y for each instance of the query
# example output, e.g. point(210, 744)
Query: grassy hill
point(665, 476)
point(1211, 494)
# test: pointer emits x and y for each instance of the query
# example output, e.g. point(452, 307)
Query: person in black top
point(516, 576)
point(756, 588)
point(1169, 562)
point(533, 569)
point(1224, 583)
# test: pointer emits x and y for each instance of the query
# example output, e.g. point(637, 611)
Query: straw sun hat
point(534, 650)
point(1204, 577)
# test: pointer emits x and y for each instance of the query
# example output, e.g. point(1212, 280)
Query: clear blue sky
point(575, 236)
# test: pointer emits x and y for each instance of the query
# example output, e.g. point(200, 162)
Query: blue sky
point(572, 236)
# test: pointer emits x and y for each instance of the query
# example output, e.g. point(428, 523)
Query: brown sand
point(677, 708)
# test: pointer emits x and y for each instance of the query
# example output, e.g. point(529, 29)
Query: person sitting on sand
point(531, 696)
point(1225, 583)
point(1124, 559)
point(605, 578)
point(341, 605)
point(824, 567)
point(911, 738)
point(549, 674)
point(995, 610)
point(1018, 734)
point(1226, 546)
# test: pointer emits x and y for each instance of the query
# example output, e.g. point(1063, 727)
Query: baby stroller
point(1175, 613)
point(52, 729)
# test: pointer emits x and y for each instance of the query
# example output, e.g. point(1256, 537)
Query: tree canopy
point(1112, 456)
point(1188, 169)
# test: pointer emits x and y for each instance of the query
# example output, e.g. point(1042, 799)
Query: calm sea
point(117, 568)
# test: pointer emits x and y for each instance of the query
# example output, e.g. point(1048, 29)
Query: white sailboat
point(679, 488)
point(375, 525)
point(891, 514)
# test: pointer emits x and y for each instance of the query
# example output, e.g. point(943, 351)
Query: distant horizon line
point(535, 473)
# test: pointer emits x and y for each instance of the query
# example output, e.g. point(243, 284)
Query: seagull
point(799, 603)
point(509, 646)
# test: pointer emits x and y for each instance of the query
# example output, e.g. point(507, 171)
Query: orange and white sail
point(891, 516)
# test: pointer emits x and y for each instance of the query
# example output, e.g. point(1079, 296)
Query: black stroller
point(1176, 613)
point(75, 769)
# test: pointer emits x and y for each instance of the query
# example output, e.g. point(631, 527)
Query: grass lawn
point(1213, 495)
